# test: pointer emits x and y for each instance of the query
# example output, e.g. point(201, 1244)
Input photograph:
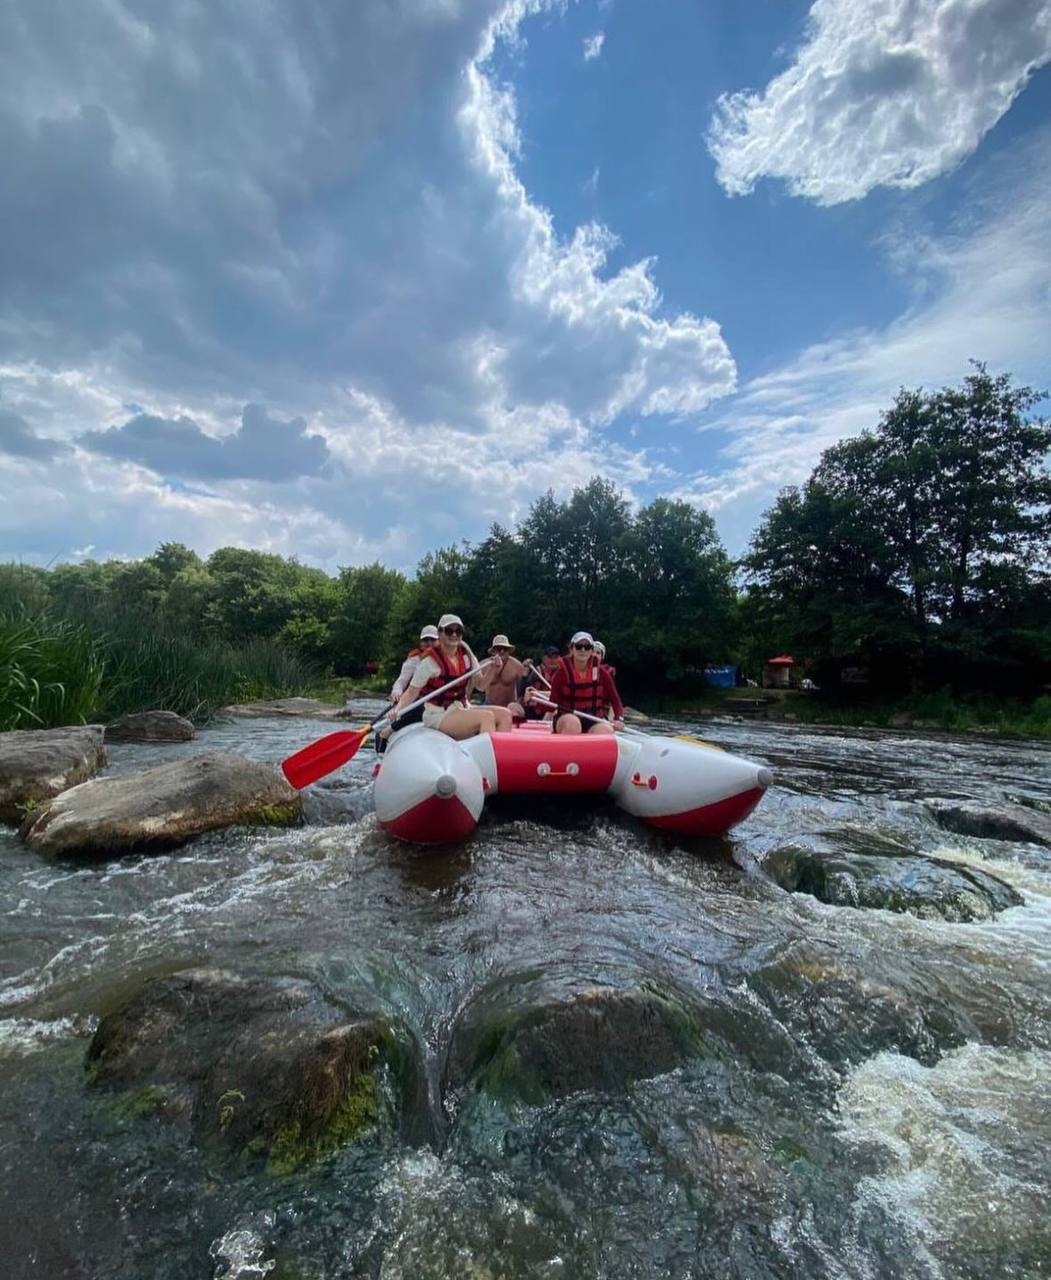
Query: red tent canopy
point(783, 661)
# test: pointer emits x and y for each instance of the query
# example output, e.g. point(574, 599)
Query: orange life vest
point(458, 665)
point(585, 689)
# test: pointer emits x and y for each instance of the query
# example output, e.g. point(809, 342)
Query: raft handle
point(544, 770)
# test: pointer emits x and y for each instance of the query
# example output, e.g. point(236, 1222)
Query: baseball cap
point(448, 620)
point(429, 632)
point(580, 636)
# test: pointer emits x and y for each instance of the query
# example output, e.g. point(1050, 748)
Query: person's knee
point(567, 724)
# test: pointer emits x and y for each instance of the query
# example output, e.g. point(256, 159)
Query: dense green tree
point(910, 545)
point(365, 600)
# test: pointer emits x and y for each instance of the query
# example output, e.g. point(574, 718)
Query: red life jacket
point(585, 690)
point(458, 665)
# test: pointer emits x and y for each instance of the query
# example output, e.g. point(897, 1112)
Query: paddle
point(335, 749)
point(537, 672)
point(540, 701)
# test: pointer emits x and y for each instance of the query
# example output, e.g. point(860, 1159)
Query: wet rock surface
point(265, 1068)
point(866, 871)
point(312, 708)
point(1003, 821)
point(162, 807)
point(38, 764)
point(151, 726)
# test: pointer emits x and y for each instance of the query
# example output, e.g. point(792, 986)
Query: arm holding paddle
point(336, 749)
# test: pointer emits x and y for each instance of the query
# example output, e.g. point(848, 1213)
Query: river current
point(814, 1153)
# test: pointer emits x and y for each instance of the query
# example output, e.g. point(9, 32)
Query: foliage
point(919, 549)
point(50, 672)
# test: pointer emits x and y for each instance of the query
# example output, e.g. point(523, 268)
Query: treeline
point(656, 585)
point(915, 557)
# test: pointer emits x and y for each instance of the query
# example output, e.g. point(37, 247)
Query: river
point(821, 1150)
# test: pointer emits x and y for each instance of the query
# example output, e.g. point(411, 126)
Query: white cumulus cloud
point(881, 93)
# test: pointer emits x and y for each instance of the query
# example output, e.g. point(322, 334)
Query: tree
point(918, 538)
point(365, 602)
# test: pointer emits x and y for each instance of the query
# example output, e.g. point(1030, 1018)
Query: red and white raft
point(430, 789)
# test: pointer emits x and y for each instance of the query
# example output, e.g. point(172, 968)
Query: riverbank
point(937, 711)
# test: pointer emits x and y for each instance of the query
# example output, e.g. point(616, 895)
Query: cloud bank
point(882, 93)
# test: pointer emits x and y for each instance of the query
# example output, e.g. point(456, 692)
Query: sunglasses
point(585, 645)
point(428, 640)
point(501, 648)
point(453, 631)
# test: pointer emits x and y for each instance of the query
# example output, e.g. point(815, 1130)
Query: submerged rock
point(312, 708)
point(261, 1068)
point(867, 870)
point(600, 1039)
point(1004, 821)
point(151, 726)
point(164, 806)
point(847, 1016)
point(38, 764)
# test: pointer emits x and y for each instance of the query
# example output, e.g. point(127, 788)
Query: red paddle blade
point(323, 756)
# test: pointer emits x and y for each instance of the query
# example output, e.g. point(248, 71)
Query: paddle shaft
point(397, 715)
point(581, 715)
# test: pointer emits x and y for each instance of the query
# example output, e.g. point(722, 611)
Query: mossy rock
point(269, 1070)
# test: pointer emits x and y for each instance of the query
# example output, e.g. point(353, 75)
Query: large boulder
point(863, 869)
point(312, 708)
point(263, 1068)
point(151, 726)
point(1002, 821)
point(164, 806)
point(38, 764)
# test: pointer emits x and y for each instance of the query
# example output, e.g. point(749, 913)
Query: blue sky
point(351, 281)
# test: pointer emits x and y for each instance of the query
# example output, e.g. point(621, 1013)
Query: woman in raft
point(581, 683)
point(450, 711)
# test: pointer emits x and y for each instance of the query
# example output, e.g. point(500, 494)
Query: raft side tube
point(428, 789)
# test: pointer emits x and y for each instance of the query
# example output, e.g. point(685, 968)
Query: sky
point(349, 280)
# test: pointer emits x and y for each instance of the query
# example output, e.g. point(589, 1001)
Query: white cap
point(600, 648)
point(580, 636)
point(429, 632)
point(448, 620)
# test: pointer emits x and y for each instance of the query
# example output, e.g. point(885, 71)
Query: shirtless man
point(500, 681)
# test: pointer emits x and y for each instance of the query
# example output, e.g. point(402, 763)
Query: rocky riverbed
point(569, 1048)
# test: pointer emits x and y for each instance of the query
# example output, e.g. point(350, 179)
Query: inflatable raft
point(430, 789)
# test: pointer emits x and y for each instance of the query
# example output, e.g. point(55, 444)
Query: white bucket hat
point(500, 642)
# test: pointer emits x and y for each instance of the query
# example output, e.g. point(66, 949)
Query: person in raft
point(499, 682)
point(450, 711)
point(539, 680)
point(582, 684)
point(428, 639)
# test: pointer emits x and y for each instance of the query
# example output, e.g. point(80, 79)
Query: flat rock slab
point(151, 726)
point(312, 708)
point(163, 807)
point(38, 764)
point(1004, 821)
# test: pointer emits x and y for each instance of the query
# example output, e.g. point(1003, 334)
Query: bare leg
point(568, 724)
point(460, 723)
point(604, 727)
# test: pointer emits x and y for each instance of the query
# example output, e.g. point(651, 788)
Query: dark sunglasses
point(428, 640)
point(501, 648)
point(453, 631)
point(585, 645)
